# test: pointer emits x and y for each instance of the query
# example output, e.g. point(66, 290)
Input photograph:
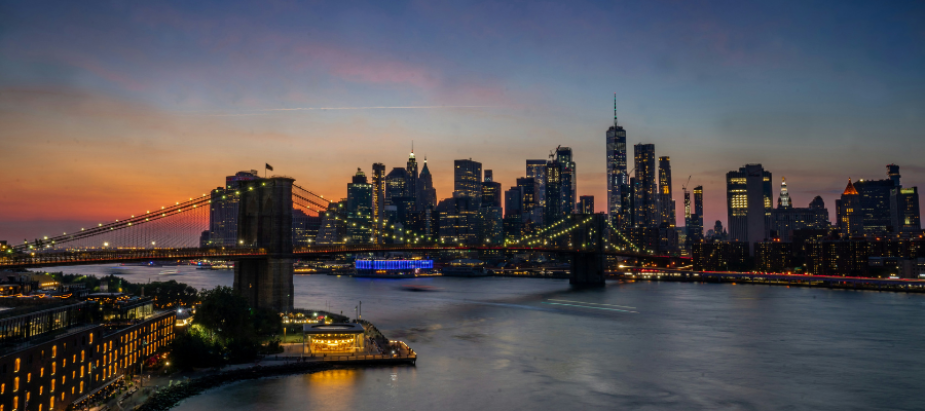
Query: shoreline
point(795, 283)
point(170, 397)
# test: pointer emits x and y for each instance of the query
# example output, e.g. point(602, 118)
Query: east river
point(537, 344)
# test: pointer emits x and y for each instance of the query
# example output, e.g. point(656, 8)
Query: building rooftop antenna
point(615, 110)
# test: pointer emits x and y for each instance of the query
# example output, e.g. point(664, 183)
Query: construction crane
point(684, 187)
point(552, 154)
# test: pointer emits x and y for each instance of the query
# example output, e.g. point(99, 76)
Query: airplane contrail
point(265, 111)
point(367, 108)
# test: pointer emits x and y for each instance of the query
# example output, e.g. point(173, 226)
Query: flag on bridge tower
point(268, 167)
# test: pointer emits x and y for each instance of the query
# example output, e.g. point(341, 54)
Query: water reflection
point(492, 344)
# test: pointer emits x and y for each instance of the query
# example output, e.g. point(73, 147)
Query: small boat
point(465, 267)
point(419, 288)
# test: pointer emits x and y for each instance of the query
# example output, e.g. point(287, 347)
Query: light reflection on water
point(493, 344)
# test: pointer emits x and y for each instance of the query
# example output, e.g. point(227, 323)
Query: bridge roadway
point(72, 257)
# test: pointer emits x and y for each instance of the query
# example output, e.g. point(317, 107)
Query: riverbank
point(169, 397)
point(811, 281)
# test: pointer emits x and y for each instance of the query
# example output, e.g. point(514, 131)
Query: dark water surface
point(513, 343)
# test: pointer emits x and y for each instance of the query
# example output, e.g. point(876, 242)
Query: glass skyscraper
point(646, 201)
point(617, 178)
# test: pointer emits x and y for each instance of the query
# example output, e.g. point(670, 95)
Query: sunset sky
point(109, 108)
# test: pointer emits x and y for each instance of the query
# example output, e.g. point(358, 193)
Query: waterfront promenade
point(800, 280)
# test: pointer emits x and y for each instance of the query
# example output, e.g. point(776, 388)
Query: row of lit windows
point(108, 370)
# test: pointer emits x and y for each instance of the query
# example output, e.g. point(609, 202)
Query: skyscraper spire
point(784, 199)
point(615, 110)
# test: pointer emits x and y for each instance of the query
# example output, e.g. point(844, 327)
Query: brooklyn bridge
point(264, 251)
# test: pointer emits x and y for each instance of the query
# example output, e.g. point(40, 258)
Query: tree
point(267, 322)
point(227, 315)
point(193, 349)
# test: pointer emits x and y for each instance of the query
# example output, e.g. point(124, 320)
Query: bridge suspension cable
point(179, 225)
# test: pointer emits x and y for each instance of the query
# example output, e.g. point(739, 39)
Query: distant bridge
point(264, 250)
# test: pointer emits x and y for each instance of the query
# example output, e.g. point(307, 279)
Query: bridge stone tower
point(265, 222)
point(589, 263)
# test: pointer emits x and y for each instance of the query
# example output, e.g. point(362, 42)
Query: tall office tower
point(467, 178)
point(748, 200)
point(513, 213)
point(223, 210)
point(698, 202)
point(698, 210)
point(904, 211)
point(427, 194)
point(616, 165)
point(529, 208)
point(491, 192)
point(396, 184)
point(467, 195)
point(304, 228)
point(892, 170)
point(568, 180)
point(359, 209)
point(646, 201)
point(536, 169)
point(514, 201)
point(695, 227)
point(687, 208)
point(666, 204)
point(412, 184)
point(627, 216)
point(874, 203)
point(784, 200)
point(553, 210)
point(586, 204)
point(490, 212)
point(379, 197)
point(850, 215)
point(333, 228)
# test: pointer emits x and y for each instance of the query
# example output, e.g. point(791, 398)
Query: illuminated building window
point(16, 365)
point(16, 384)
point(54, 351)
point(29, 377)
point(81, 387)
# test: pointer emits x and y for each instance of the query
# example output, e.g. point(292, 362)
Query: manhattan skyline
point(123, 107)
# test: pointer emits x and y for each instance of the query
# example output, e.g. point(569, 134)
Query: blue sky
point(139, 102)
